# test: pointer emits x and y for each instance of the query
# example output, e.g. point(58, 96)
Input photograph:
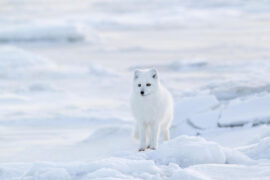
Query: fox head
point(146, 82)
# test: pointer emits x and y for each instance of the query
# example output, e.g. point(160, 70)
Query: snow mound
point(13, 57)
point(187, 150)
point(236, 157)
point(15, 62)
point(254, 109)
point(122, 168)
point(44, 172)
point(111, 168)
point(134, 168)
point(188, 175)
point(259, 150)
point(37, 32)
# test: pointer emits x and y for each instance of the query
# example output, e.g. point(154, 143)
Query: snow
point(233, 171)
point(16, 58)
point(121, 168)
point(250, 110)
point(186, 151)
point(258, 150)
point(98, 70)
point(18, 63)
point(198, 111)
point(40, 32)
point(66, 74)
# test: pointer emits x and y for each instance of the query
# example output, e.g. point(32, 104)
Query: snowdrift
point(197, 155)
point(187, 150)
point(260, 150)
point(18, 63)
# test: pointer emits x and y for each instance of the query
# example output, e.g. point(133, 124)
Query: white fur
point(153, 111)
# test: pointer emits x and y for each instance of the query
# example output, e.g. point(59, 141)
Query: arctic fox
point(152, 107)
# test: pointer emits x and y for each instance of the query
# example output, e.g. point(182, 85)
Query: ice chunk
point(199, 111)
point(254, 109)
point(259, 150)
point(187, 150)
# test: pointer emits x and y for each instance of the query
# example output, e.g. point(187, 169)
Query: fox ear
point(136, 74)
point(154, 73)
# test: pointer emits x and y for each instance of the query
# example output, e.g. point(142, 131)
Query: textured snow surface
point(260, 150)
point(66, 71)
point(250, 110)
point(186, 151)
point(17, 62)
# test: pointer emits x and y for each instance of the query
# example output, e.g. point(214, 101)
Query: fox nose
point(142, 92)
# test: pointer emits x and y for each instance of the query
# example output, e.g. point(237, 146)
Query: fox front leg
point(142, 133)
point(154, 134)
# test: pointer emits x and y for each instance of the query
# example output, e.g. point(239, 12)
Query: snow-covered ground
point(65, 79)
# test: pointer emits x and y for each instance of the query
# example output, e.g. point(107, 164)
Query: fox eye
point(139, 85)
point(148, 84)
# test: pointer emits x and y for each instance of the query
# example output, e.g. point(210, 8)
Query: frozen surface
point(186, 151)
point(250, 110)
point(258, 150)
point(44, 32)
point(66, 74)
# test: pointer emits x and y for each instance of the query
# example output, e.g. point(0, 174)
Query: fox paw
point(141, 149)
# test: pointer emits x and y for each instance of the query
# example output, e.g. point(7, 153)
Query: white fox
point(152, 107)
